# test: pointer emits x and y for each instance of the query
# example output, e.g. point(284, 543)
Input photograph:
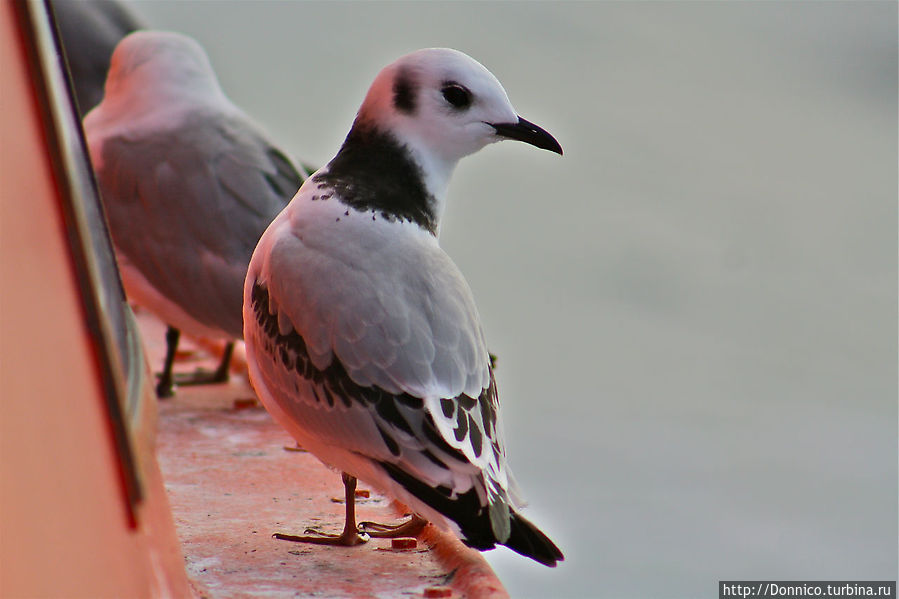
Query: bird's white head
point(157, 63)
point(443, 105)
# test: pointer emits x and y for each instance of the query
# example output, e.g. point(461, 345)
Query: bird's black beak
point(529, 133)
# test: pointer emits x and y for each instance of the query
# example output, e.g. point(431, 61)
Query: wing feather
point(390, 324)
point(187, 203)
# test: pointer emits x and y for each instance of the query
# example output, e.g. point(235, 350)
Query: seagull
point(362, 336)
point(189, 183)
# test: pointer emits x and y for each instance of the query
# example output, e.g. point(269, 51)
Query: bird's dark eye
point(458, 96)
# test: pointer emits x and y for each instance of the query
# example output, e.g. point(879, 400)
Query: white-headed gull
point(362, 336)
point(189, 183)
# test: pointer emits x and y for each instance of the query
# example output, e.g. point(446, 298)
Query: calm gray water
point(696, 308)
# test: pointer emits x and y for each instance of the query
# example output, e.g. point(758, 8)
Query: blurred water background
point(695, 309)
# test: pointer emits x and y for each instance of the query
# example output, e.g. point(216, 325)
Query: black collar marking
point(373, 171)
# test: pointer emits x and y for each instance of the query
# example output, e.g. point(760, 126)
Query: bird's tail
point(527, 540)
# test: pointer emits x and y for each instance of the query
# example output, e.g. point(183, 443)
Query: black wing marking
point(398, 414)
point(481, 511)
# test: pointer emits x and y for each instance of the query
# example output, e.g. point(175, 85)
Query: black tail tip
point(527, 540)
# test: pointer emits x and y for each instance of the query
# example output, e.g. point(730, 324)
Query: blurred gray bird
point(189, 183)
point(362, 336)
point(90, 31)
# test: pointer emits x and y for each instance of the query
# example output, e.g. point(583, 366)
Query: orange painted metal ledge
point(233, 479)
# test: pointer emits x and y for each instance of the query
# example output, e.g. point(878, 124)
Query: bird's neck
point(374, 171)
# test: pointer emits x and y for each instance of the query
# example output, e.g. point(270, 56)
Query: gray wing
point(395, 310)
point(187, 206)
point(90, 32)
point(385, 359)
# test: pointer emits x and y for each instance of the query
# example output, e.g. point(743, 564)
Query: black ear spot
point(404, 92)
point(457, 95)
